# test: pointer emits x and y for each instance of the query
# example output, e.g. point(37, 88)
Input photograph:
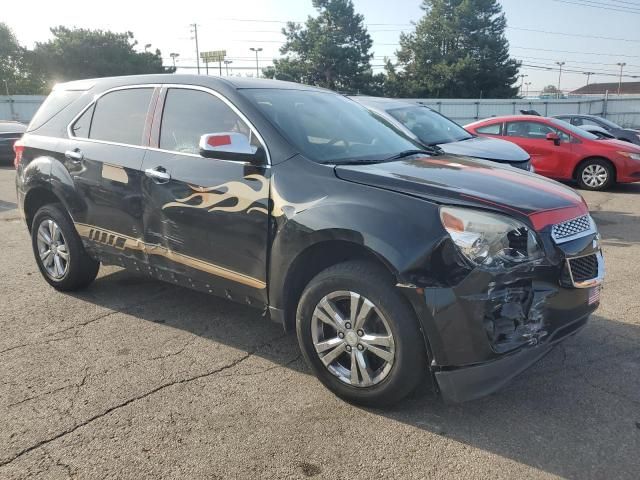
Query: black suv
point(388, 261)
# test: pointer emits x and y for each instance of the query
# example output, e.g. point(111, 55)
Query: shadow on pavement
point(573, 414)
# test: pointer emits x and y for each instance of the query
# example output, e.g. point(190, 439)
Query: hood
point(619, 145)
point(457, 180)
point(487, 149)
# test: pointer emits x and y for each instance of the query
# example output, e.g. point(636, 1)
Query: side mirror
point(231, 146)
point(553, 137)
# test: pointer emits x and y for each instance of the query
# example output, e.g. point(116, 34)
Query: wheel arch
point(36, 198)
point(312, 260)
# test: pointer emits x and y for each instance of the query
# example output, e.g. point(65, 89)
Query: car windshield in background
point(329, 128)
point(609, 123)
point(578, 132)
point(429, 126)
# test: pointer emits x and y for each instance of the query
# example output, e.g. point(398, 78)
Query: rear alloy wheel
point(59, 252)
point(359, 335)
point(52, 249)
point(595, 175)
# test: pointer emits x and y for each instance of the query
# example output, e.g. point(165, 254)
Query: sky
point(588, 35)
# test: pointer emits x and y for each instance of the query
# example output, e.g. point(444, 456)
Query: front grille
point(584, 268)
point(564, 231)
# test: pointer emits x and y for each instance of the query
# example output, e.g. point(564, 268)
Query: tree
point(16, 66)
point(458, 49)
point(331, 50)
point(78, 53)
point(551, 90)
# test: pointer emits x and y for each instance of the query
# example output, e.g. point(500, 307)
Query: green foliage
point(78, 53)
point(458, 49)
point(16, 66)
point(331, 50)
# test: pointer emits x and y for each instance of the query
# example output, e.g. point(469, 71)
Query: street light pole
point(621, 65)
point(173, 57)
point(147, 47)
point(560, 64)
point(226, 65)
point(527, 84)
point(259, 49)
point(194, 30)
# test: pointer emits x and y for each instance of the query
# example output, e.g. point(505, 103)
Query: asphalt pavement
point(134, 378)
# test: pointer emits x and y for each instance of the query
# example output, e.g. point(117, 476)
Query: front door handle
point(158, 174)
point(74, 155)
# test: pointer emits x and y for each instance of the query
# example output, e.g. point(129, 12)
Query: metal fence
point(20, 107)
point(622, 110)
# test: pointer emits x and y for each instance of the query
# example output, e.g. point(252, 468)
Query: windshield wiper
point(431, 150)
point(353, 161)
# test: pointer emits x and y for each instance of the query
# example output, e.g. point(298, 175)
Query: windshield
point(578, 132)
point(429, 126)
point(327, 127)
point(609, 123)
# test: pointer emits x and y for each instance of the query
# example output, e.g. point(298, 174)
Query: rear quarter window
point(55, 103)
point(493, 129)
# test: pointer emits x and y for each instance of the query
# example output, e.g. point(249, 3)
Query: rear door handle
point(74, 155)
point(158, 174)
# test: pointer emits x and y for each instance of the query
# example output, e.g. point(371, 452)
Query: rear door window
point(189, 114)
point(120, 116)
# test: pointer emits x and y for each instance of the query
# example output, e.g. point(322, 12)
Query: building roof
point(627, 88)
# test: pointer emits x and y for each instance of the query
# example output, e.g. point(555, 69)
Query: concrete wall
point(622, 110)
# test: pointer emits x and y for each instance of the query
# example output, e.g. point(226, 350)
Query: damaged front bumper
point(490, 326)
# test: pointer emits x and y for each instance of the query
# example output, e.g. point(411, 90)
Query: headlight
point(490, 240)
point(631, 155)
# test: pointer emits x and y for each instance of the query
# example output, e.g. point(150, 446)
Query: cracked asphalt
point(134, 379)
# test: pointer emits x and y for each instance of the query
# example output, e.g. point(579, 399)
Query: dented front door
point(206, 219)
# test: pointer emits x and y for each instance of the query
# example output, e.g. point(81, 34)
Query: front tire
point(360, 336)
point(595, 174)
point(59, 252)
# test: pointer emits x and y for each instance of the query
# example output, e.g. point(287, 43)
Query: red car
point(564, 152)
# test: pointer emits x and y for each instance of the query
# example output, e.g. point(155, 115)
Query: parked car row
point(391, 258)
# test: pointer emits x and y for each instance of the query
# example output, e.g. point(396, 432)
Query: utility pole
point(621, 65)
point(522, 77)
point(194, 30)
point(173, 57)
point(226, 65)
point(588, 74)
point(259, 49)
point(560, 64)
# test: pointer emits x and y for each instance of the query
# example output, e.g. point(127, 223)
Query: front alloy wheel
point(352, 339)
point(596, 174)
point(359, 335)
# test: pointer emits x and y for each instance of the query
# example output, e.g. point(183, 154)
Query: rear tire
point(374, 354)
point(595, 174)
point(58, 250)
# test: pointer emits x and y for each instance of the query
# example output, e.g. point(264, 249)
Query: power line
point(601, 6)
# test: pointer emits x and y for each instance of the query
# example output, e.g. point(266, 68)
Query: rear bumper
point(472, 382)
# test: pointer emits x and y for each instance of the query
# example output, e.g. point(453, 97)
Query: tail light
point(18, 147)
